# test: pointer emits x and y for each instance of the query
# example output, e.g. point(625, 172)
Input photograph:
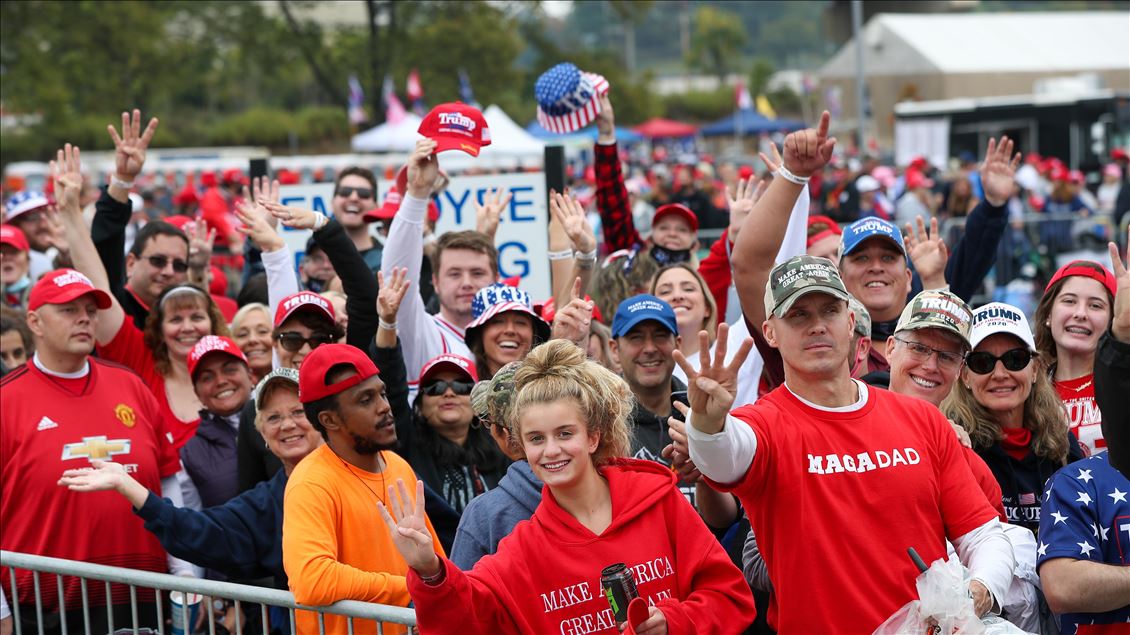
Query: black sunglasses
point(159, 262)
point(293, 342)
point(438, 387)
point(362, 192)
point(983, 363)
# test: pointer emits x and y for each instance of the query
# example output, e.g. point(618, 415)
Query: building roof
point(1038, 42)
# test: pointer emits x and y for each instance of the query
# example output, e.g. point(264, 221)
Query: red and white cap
point(62, 286)
point(212, 344)
point(303, 300)
point(456, 126)
point(677, 209)
point(391, 205)
point(448, 361)
point(14, 237)
point(312, 384)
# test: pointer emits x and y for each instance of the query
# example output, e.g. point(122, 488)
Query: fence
point(160, 582)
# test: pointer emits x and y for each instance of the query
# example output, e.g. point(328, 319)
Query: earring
point(266, 445)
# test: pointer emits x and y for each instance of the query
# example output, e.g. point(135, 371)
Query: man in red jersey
point(60, 411)
point(838, 478)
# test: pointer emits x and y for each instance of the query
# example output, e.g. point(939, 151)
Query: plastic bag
point(944, 606)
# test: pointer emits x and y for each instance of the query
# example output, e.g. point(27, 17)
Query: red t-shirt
point(1083, 414)
point(128, 349)
point(835, 499)
point(48, 425)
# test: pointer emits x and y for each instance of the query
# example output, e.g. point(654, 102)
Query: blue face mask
point(19, 285)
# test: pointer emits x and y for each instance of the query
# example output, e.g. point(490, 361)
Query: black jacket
point(210, 460)
point(357, 281)
point(1022, 482)
point(108, 231)
point(1112, 384)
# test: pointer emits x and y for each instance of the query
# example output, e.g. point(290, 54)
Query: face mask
point(880, 331)
point(665, 256)
point(19, 285)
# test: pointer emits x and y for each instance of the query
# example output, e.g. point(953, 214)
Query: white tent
point(508, 138)
point(398, 137)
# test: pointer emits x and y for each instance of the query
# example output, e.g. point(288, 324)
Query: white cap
point(866, 184)
point(998, 317)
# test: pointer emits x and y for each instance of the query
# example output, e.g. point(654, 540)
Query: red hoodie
point(545, 577)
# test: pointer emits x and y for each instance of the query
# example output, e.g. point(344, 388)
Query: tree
point(717, 39)
point(631, 13)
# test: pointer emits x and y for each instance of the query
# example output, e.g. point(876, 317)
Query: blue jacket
point(491, 517)
point(241, 538)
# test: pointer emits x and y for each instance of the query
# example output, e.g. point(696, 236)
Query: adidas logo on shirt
point(46, 424)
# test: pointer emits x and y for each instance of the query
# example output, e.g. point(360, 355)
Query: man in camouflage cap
point(928, 345)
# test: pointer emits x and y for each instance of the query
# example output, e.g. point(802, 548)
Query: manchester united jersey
point(50, 424)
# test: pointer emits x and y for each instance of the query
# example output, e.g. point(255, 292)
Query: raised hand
point(392, 293)
point(488, 214)
point(806, 151)
point(258, 223)
point(774, 163)
point(678, 452)
point(606, 120)
point(712, 389)
point(106, 475)
point(928, 252)
point(66, 170)
point(571, 322)
point(998, 171)
point(571, 215)
point(741, 200)
point(423, 169)
point(130, 146)
point(1120, 322)
point(294, 217)
point(201, 239)
point(409, 530)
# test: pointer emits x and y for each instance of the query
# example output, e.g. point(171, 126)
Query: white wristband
point(564, 254)
point(320, 220)
point(116, 182)
point(784, 173)
point(386, 325)
point(589, 256)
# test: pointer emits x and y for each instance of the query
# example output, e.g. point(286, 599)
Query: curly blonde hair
point(559, 370)
point(612, 284)
point(1043, 416)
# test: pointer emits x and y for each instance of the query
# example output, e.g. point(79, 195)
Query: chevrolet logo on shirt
point(95, 448)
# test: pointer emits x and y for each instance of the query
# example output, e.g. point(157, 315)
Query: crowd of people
point(753, 433)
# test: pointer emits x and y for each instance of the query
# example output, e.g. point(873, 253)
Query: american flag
point(415, 92)
point(394, 110)
point(1027, 498)
point(465, 93)
point(357, 114)
point(742, 96)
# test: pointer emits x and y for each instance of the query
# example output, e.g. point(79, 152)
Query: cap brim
point(309, 306)
point(195, 367)
point(13, 243)
point(442, 366)
point(786, 304)
point(681, 213)
point(918, 326)
point(101, 298)
point(261, 389)
point(473, 331)
point(885, 237)
point(632, 323)
point(463, 145)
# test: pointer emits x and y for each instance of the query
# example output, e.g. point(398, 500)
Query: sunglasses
point(159, 262)
point(362, 192)
point(983, 363)
point(438, 387)
point(293, 342)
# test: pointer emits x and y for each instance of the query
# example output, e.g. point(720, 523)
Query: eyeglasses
point(160, 262)
point(983, 363)
point(298, 415)
point(293, 342)
point(438, 387)
point(922, 353)
point(362, 192)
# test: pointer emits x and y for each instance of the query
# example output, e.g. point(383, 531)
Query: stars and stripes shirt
point(1086, 516)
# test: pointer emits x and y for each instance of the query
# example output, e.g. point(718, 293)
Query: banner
point(522, 237)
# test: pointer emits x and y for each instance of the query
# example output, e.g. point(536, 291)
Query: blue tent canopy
point(623, 135)
point(748, 121)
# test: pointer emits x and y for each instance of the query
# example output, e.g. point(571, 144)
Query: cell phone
point(679, 396)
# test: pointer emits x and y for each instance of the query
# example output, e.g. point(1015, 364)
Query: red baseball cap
point(1086, 269)
point(448, 361)
point(918, 163)
point(312, 384)
point(916, 179)
point(1118, 154)
point(456, 126)
point(303, 301)
point(234, 175)
point(391, 206)
point(212, 344)
point(832, 229)
point(62, 286)
point(1076, 176)
point(14, 236)
point(679, 209)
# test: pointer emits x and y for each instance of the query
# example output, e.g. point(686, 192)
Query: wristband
point(431, 580)
point(386, 325)
point(116, 182)
point(564, 254)
point(589, 256)
point(320, 220)
point(784, 173)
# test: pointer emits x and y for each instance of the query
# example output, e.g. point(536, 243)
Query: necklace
point(380, 461)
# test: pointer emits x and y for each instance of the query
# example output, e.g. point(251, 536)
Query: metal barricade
point(160, 582)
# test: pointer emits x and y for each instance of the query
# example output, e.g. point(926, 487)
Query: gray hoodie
point(490, 517)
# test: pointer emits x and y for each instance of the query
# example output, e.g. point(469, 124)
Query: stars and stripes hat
point(500, 298)
point(24, 202)
point(568, 98)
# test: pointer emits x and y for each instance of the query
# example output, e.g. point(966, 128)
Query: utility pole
point(860, 84)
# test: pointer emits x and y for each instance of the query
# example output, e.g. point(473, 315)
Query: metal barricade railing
point(160, 582)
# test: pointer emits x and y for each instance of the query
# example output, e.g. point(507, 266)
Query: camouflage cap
point(862, 317)
point(490, 397)
point(799, 276)
point(937, 310)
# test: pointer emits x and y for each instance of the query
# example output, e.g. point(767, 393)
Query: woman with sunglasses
point(1005, 401)
point(597, 510)
point(1071, 317)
